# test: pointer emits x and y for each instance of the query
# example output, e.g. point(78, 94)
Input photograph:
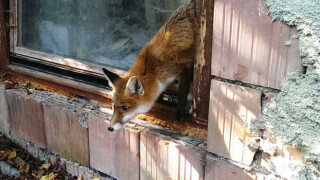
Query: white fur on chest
point(163, 85)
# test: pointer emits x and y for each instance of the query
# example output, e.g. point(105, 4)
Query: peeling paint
point(200, 62)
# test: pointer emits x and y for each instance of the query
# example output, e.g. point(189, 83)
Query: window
point(105, 32)
point(111, 33)
point(75, 39)
point(83, 36)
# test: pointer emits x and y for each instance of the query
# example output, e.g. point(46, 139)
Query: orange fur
point(166, 56)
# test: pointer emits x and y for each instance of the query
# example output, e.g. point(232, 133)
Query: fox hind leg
point(185, 94)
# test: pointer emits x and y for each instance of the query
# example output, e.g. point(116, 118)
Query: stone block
point(26, 115)
point(4, 115)
point(270, 96)
point(163, 158)
point(67, 129)
point(218, 169)
point(265, 159)
point(231, 107)
point(249, 46)
point(85, 173)
point(114, 153)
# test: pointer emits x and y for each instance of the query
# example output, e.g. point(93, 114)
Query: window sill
point(73, 88)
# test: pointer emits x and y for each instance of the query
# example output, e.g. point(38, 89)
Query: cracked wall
point(293, 117)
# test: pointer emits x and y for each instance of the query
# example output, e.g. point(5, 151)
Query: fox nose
point(110, 128)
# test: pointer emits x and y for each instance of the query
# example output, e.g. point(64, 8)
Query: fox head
point(129, 98)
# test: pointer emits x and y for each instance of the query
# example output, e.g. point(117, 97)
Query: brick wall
point(251, 55)
point(249, 61)
point(249, 46)
point(74, 130)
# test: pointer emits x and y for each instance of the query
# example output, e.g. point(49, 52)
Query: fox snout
point(110, 128)
point(115, 127)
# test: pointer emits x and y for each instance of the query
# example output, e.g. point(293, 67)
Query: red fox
point(166, 57)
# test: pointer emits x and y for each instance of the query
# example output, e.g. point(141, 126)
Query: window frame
point(201, 74)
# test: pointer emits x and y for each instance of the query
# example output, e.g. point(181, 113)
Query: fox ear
point(134, 86)
point(111, 77)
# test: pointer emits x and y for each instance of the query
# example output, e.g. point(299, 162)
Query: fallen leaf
point(40, 173)
point(19, 161)
point(96, 179)
point(246, 131)
point(45, 166)
point(57, 169)
point(80, 177)
point(24, 168)
point(50, 176)
point(29, 88)
point(12, 155)
point(3, 154)
point(11, 85)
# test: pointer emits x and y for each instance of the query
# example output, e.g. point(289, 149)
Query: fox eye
point(124, 108)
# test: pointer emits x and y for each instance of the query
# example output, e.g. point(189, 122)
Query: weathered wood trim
point(13, 24)
point(60, 61)
point(4, 41)
point(202, 66)
point(61, 81)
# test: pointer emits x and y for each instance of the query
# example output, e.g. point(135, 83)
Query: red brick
point(217, 169)
point(4, 117)
point(65, 132)
point(231, 107)
point(265, 159)
point(163, 158)
point(26, 115)
point(249, 46)
point(270, 96)
point(114, 153)
point(84, 172)
point(267, 135)
point(76, 170)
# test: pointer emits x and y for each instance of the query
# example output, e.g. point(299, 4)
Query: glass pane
point(110, 32)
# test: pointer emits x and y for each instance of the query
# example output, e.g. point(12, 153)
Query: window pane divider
point(60, 61)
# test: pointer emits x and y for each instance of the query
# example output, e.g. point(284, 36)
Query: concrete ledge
point(114, 153)
point(162, 157)
point(4, 115)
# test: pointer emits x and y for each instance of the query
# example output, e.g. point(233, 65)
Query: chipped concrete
point(8, 170)
point(293, 117)
point(290, 169)
point(287, 43)
point(83, 119)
